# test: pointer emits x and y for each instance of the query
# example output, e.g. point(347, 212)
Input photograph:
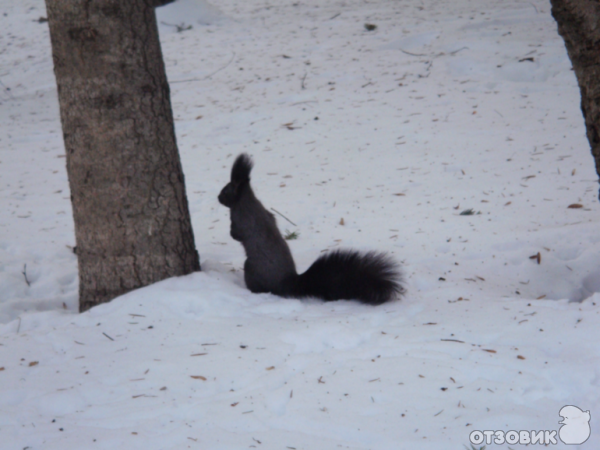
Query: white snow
point(397, 131)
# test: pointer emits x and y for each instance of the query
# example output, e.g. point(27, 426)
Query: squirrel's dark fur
point(370, 277)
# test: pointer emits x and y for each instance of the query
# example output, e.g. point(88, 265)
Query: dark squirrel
point(371, 277)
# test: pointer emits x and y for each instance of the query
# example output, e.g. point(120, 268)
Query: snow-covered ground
point(446, 106)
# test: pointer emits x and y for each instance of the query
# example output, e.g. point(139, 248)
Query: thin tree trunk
point(132, 224)
point(579, 25)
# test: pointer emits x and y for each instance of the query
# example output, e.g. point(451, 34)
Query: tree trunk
point(132, 224)
point(579, 25)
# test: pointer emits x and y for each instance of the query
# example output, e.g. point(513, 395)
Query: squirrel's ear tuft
point(240, 171)
point(240, 174)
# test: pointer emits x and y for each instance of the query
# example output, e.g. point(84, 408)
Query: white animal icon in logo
point(576, 425)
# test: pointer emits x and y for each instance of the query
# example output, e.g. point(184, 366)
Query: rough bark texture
point(579, 25)
point(132, 224)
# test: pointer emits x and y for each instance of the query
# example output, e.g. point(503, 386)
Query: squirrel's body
point(344, 274)
point(269, 264)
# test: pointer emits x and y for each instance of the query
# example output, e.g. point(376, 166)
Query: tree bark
point(579, 25)
point(132, 223)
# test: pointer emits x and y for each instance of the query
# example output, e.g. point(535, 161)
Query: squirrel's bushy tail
point(372, 277)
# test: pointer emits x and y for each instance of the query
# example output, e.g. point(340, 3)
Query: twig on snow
point(456, 51)
point(534, 7)
point(107, 336)
point(412, 54)
point(207, 76)
point(25, 275)
point(273, 209)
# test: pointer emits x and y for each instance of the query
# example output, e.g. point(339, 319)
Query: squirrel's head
point(229, 194)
